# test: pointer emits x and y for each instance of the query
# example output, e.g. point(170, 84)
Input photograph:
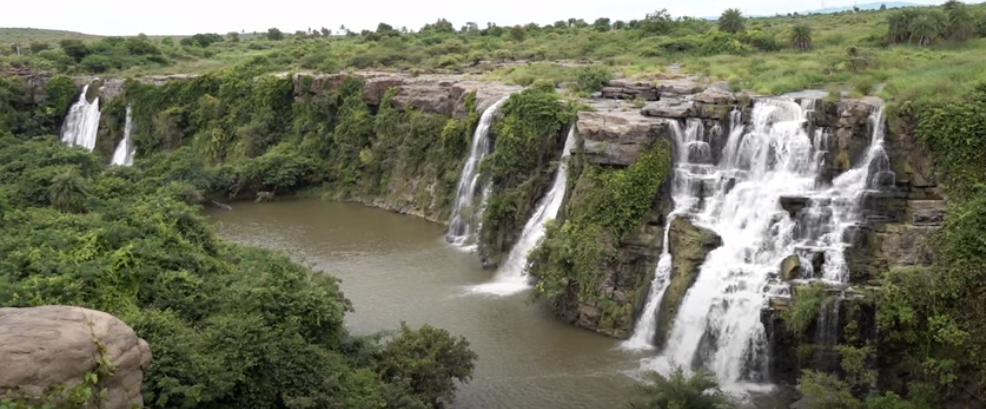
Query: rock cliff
point(49, 350)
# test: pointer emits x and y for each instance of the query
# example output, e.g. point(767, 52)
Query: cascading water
point(464, 214)
point(82, 122)
point(124, 154)
point(511, 277)
point(738, 196)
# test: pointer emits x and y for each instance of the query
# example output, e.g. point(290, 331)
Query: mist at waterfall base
point(737, 193)
point(511, 278)
point(82, 122)
point(124, 153)
point(465, 214)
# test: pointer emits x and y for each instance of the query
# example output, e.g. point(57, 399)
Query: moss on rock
point(689, 245)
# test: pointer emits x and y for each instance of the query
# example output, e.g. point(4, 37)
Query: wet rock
point(618, 138)
point(43, 348)
point(689, 245)
point(794, 204)
point(791, 268)
point(715, 96)
point(927, 212)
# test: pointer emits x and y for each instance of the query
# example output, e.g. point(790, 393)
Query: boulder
point(680, 86)
point(618, 137)
point(624, 89)
point(45, 348)
point(689, 245)
point(794, 204)
point(791, 268)
point(669, 108)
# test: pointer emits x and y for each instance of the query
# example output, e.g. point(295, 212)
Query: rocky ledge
point(49, 350)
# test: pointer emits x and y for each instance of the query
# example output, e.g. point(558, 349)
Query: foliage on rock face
point(242, 134)
point(20, 114)
point(932, 319)
point(606, 205)
point(229, 325)
point(679, 391)
point(526, 143)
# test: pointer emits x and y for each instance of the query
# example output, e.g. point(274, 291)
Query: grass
point(525, 54)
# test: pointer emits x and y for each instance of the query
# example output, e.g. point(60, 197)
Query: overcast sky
point(129, 17)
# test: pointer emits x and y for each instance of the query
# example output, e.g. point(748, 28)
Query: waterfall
point(739, 197)
point(463, 213)
point(124, 153)
point(511, 278)
point(82, 122)
point(692, 150)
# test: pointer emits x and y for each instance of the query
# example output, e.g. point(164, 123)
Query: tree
point(678, 391)
point(926, 28)
point(326, 32)
point(274, 34)
point(656, 23)
point(68, 191)
point(39, 46)
point(619, 25)
point(429, 360)
point(233, 37)
point(561, 24)
point(959, 23)
point(571, 22)
point(601, 24)
point(74, 48)
point(883, 7)
point(517, 33)
point(801, 37)
point(732, 21)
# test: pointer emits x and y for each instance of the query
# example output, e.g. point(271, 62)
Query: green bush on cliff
point(606, 205)
point(527, 141)
point(932, 319)
point(230, 326)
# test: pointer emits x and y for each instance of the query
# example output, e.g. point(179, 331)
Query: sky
point(178, 17)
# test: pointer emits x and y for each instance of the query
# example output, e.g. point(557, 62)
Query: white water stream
point(82, 122)
point(738, 196)
point(511, 278)
point(124, 153)
point(465, 214)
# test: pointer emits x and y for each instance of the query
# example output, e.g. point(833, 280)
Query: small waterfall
point(691, 152)
point(718, 325)
point(511, 277)
point(464, 214)
point(124, 153)
point(827, 331)
point(82, 122)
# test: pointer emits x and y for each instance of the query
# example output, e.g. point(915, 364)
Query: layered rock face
point(46, 348)
point(444, 95)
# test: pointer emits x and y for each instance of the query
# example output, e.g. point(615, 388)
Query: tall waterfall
point(511, 277)
point(465, 214)
point(82, 122)
point(738, 196)
point(124, 153)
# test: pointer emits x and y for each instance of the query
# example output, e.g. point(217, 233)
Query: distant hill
point(866, 6)
point(830, 10)
point(24, 36)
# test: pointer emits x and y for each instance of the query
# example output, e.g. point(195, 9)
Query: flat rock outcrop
point(627, 89)
point(618, 137)
point(42, 348)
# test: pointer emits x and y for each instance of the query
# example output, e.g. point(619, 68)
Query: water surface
point(396, 268)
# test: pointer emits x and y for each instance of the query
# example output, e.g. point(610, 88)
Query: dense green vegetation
point(528, 139)
point(605, 206)
point(229, 325)
point(678, 391)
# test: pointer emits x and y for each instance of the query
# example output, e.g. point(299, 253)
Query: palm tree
point(899, 30)
point(959, 23)
point(68, 191)
point(801, 37)
point(926, 28)
point(731, 21)
point(699, 391)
